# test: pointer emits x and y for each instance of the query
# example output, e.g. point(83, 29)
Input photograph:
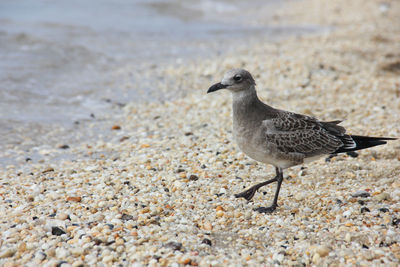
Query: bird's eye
point(237, 78)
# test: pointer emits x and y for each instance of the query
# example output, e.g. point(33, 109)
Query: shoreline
point(53, 112)
point(159, 190)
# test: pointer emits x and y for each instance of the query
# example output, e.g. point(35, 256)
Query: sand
point(159, 189)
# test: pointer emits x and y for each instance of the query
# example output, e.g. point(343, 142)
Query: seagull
point(282, 138)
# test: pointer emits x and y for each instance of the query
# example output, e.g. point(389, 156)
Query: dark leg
point(249, 193)
point(279, 175)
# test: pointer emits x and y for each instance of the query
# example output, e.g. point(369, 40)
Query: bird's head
point(235, 80)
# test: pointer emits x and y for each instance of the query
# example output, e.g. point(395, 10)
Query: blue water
point(57, 58)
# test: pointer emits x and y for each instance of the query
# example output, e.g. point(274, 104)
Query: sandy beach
point(158, 188)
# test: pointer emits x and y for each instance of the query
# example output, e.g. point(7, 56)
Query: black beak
point(216, 87)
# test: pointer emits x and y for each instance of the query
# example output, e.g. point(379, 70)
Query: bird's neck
point(246, 104)
point(244, 96)
point(245, 101)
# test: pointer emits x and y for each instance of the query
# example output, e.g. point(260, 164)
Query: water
point(57, 57)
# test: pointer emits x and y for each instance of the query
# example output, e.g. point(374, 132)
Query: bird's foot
point(247, 194)
point(266, 209)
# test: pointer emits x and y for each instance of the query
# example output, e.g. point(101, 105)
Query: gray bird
point(281, 138)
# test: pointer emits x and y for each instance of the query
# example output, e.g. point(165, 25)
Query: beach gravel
point(160, 191)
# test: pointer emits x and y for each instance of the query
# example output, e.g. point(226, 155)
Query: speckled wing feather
point(295, 133)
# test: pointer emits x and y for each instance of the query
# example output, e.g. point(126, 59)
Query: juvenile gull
point(282, 138)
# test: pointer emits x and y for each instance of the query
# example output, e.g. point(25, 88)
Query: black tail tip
point(362, 142)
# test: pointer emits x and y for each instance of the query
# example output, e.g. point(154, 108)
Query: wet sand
point(60, 62)
point(158, 189)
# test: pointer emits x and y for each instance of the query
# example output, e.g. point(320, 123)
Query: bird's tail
point(357, 142)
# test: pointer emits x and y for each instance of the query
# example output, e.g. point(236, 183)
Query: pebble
point(40, 256)
point(316, 258)
point(160, 190)
point(347, 213)
point(174, 245)
point(6, 253)
point(74, 199)
point(62, 253)
point(108, 258)
point(307, 210)
point(300, 196)
point(206, 241)
point(78, 263)
point(322, 250)
point(347, 237)
point(193, 177)
point(62, 216)
point(382, 196)
point(207, 226)
point(57, 231)
point(361, 193)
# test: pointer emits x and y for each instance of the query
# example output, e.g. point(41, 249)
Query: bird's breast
point(254, 145)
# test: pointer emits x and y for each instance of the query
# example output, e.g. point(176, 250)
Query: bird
point(282, 138)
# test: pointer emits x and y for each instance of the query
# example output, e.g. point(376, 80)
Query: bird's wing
point(296, 133)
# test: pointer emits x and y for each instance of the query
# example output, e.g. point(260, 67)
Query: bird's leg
point(249, 193)
point(279, 175)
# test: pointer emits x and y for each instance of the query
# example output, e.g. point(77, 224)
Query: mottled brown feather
point(296, 133)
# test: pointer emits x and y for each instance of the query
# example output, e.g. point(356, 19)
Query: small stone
point(207, 226)
point(63, 146)
point(57, 231)
point(302, 172)
point(382, 196)
point(51, 252)
point(347, 213)
point(22, 247)
point(185, 261)
point(316, 258)
point(119, 241)
point(109, 226)
point(78, 263)
point(300, 196)
point(6, 253)
point(322, 250)
point(62, 216)
point(123, 138)
point(361, 193)
point(74, 199)
point(174, 245)
point(108, 258)
point(40, 256)
point(49, 169)
point(61, 253)
point(116, 127)
point(126, 217)
point(62, 264)
point(77, 251)
point(206, 241)
point(384, 210)
point(302, 235)
point(220, 213)
point(347, 237)
point(193, 177)
point(178, 184)
point(219, 208)
point(364, 209)
point(307, 210)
